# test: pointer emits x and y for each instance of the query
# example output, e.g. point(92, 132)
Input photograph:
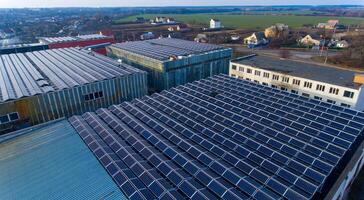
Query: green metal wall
point(65, 103)
point(163, 75)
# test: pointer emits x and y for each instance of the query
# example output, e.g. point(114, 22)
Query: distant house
point(308, 40)
point(215, 24)
point(179, 27)
point(276, 30)
point(330, 24)
point(235, 37)
point(164, 20)
point(202, 38)
point(256, 39)
point(342, 44)
point(147, 36)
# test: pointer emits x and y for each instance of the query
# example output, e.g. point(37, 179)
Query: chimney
point(359, 79)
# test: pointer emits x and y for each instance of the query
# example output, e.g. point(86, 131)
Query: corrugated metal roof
point(51, 40)
point(223, 138)
point(52, 162)
point(163, 49)
point(310, 71)
point(32, 73)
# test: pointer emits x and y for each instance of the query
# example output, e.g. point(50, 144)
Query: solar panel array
point(163, 49)
point(51, 40)
point(222, 138)
point(32, 73)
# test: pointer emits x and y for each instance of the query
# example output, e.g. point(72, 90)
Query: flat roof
point(223, 138)
point(32, 73)
point(315, 72)
point(50, 40)
point(163, 49)
point(52, 162)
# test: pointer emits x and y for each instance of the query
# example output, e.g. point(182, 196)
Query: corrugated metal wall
point(166, 74)
point(65, 103)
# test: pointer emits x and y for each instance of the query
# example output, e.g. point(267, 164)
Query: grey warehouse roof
point(32, 73)
point(50, 40)
point(321, 73)
point(52, 162)
point(223, 138)
point(163, 49)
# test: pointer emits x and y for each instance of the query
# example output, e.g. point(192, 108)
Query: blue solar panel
point(221, 138)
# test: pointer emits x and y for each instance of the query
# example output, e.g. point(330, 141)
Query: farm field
point(249, 21)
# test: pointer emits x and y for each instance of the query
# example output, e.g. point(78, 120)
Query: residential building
point(333, 85)
point(171, 62)
point(202, 38)
point(342, 44)
point(217, 138)
point(330, 24)
point(77, 41)
point(308, 40)
point(40, 86)
point(215, 24)
point(276, 31)
point(147, 36)
point(256, 39)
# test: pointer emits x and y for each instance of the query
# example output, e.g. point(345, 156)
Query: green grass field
point(250, 21)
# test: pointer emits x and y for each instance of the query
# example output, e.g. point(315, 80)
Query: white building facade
point(215, 24)
point(351, 97)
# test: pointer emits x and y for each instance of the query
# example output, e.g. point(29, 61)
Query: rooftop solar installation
point(163, 49)
point(32, 73)
point(222, 138)
point(50, 40)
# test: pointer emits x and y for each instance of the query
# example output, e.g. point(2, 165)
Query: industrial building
point(172, 62)
point(40, 86)
point(78, 41)
point(22, 48)
point(217, 138)
point(333, 85)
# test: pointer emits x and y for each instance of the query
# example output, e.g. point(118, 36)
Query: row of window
point(296, 92)
point(11, 117)
point(306, 84)
point(93, 96)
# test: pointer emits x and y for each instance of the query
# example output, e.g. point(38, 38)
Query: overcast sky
point(135, 3)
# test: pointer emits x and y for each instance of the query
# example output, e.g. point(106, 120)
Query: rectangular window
point(320, 87)
point(240, 77)
point(274, 86)
point(296, 82)
point(275, 77)
point(305, 95)
point(265, 83)
point(345, 105)
point(255, 81)
point(14, 116)
point(4, 119)
point(266, 75)
point(334, 90)
point(283, 88)
point(331, 101)
point(285, 79)
point(99, 94)
point(241, 69)
point(257, 73)
point(233, 75)
point(248, 79)
point(294, 91)
point(348, 94)
point(307, 84)
point(318, 98)
point(249, 71)
point(233, 67)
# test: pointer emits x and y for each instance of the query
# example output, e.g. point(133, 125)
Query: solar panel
point(221, 138)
